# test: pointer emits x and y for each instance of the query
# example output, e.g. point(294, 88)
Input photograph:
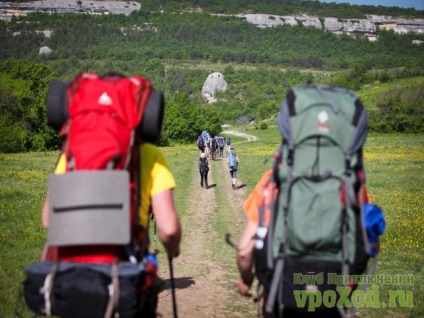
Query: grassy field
point(370, 94)
point(395, 178)
point(23, 186)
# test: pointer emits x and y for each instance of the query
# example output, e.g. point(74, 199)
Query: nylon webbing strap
point(362, 219)
point(325, 96)
point(350, 201)
point(130, 147)
point(350, 192)
point(275, 176)
point(278, 278)
point(113, 292)
point(370, 271)
point(48, 287)
point(342, 312)
point(276, 281)
point(345, 264)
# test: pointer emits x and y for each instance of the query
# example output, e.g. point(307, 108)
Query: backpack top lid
point(334, 113)
point(104, 113)
point(114, 93)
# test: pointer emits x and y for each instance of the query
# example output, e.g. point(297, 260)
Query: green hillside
point(178, 51)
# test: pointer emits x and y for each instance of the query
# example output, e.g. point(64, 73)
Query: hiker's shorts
point(233, 172)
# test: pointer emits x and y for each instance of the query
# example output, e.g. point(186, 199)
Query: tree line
point(199, 37)
point(252, 95)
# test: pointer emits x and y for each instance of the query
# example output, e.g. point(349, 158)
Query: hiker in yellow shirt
point(157, 184)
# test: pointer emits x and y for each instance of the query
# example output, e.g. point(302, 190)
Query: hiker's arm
point(45, 213)
point(167, 221)
point(59, 169)
point(245, 259)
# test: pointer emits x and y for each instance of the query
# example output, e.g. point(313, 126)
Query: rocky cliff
point(8, 9)
point(367, 27)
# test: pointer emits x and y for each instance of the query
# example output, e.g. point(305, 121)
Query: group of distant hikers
point(212, 146)
point(311, 227)
point(208, 146)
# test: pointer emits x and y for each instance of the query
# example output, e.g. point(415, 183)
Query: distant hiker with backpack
point(98, 207)
point(201, 144)
point(310, 215)
point(221, 146)
point(205, 134)
point(228, 143)
point(213, 147)
point(203, 170)
point(208, 145)
point(233, 162)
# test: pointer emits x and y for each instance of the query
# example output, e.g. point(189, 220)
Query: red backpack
point(94, 206)
point(104, 113)
point(103, 130)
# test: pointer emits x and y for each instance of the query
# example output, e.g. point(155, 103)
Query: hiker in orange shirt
point(261, 196)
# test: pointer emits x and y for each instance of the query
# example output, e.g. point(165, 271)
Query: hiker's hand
point(242, 288)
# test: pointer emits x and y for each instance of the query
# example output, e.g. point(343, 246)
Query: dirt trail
point(198, 294)
point(240, 134)
point(204, 286)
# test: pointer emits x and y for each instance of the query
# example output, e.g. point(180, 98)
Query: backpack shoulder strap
point(139, 235)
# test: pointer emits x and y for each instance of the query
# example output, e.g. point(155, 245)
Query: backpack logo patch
point(105, 100)
point(322, 119)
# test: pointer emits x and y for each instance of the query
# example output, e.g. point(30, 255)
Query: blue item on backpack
point(231, 159)
point(374, 224)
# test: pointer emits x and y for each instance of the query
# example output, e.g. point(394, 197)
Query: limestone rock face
point(68, 6)
point(214, 82)
point(333, 25)
point(263, 20)
point(45, 50)
point(290, 20)
point(269, 20)
point(310, 21)
point(367, 27)
point(360, 26)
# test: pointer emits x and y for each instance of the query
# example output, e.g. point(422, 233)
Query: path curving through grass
point(206, 269)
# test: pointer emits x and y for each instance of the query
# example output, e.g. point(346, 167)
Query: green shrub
point(13, 137)
point(263, 126)
point(399, 110)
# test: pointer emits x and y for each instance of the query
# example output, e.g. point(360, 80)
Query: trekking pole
point(155, 242)
point(174, 300)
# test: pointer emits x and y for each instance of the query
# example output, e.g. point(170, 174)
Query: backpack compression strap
point(277, 279)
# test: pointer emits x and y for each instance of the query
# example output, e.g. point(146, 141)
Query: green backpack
point(316, 232)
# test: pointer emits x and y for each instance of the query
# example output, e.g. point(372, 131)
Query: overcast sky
point(417, 4)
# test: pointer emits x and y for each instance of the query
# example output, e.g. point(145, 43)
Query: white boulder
point(45, 50)
point(215, 82)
